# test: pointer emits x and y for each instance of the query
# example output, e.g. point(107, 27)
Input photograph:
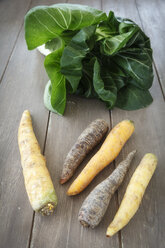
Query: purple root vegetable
point(89, 138)
point(96, 203)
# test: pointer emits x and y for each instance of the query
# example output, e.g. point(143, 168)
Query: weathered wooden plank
point(146, 228)
point(21, 88)
point(63, 229)
point(92, 3)
point(152, 15)
point(11, 20)
point(122, 8)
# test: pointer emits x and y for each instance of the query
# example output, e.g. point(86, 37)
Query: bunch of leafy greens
point(92, 55)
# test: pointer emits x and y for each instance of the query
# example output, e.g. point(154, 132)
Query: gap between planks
point(43, 152)
point(14, 45)
point(110, 117)
point(114, 166)
point(116, 193)
point(154, 63)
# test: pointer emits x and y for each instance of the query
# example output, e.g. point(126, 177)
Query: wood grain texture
point(21, 88)
point(93, 3)
point(152, 15)
point(63, 229)
point(11, 19)
point(147, 227)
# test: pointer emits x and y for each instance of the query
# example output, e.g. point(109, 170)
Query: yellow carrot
point(38, 183)
point(134, 193)
point(107, 153)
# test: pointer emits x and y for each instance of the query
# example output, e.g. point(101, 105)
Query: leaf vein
point(41, 23)
point(63, 17)
point(54, 19)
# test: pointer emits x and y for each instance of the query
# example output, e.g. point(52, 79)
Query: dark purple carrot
point(89, 138)
point(96, 203)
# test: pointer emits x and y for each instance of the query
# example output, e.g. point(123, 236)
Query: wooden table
point(23, 79)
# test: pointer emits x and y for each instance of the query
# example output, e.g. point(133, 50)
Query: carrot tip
point(70, 193)
point(62, 180)
point(26, 111)
point(132, 122)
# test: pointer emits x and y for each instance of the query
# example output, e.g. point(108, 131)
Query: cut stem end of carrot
point(84, 223)
point(47, 210)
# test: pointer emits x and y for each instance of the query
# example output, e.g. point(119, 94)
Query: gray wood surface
point(62, 132)
point(152, 15)
point(63, 227)
point(22, 88)
point(146, 228)
point(11, 20)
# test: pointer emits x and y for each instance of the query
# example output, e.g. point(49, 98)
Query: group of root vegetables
point(40, 188)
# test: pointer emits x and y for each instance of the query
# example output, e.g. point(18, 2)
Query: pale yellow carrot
point(107, 153)
point(38, 183)
point(134, 193)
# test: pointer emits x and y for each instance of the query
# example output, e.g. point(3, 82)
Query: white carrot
point(38, 183)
